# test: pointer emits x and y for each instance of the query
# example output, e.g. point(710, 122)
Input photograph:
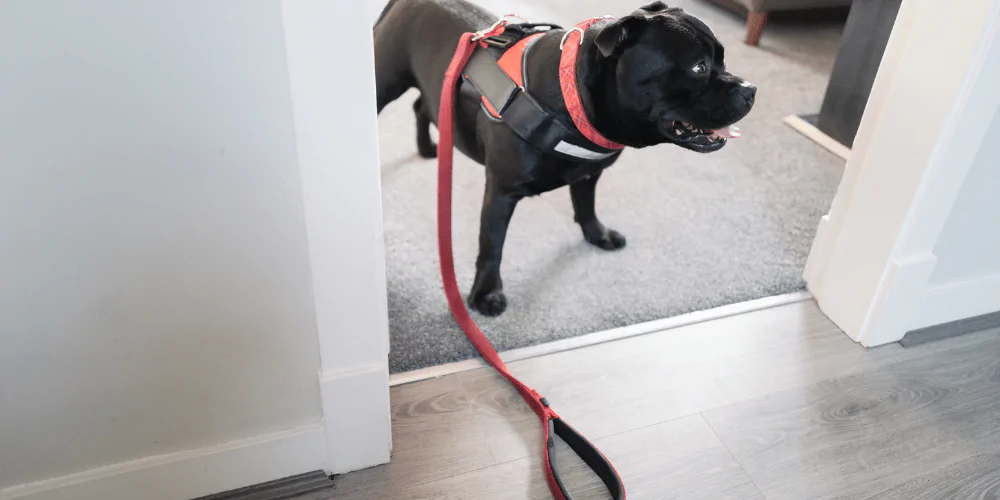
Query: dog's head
point(671, 79)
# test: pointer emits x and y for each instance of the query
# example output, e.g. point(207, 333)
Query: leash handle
point(583, 449)
point(553, 424)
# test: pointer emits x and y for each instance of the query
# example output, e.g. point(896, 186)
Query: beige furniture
point(757, 11)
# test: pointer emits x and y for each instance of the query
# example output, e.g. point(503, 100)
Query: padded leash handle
point(553, 424)
point(583, 449)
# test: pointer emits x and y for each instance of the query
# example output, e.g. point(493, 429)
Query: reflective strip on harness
point(572, 150)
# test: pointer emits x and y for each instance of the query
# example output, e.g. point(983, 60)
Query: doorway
point(704, 230)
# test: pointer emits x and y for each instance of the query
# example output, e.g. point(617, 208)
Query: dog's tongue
point(730, 132)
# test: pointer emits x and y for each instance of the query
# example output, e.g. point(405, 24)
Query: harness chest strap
point(512, 61)
point(551, 422)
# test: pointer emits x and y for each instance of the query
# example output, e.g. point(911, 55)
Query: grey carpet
point(703, 230)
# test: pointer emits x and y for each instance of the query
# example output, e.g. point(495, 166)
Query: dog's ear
point(618, 34)
point(655, 7)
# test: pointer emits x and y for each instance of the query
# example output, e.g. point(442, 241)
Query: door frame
point(871, 262)
point(331, 74)
point(868, 269)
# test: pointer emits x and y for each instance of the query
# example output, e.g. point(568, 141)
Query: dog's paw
point(429, 151)
point(608, 239)
point(488, 304)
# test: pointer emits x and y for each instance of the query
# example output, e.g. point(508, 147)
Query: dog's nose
point(745, 93)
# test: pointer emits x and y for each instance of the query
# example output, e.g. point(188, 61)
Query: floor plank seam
point(730, 453)
point(452, 476)
point(790, 388)
point(647, 426)
point(490, 449)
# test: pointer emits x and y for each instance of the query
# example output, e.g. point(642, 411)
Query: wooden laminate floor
point(775, 404)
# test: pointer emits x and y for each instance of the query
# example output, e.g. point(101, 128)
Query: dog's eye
point(700, 68)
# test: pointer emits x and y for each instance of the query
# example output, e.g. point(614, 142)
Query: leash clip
point(479, 35)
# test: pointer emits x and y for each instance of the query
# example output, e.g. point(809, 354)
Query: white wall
point(155, 287)
point(969, 245)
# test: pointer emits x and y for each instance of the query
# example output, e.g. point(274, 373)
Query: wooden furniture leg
point(755, 26)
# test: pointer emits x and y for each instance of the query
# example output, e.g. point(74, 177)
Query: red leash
point(552, 423)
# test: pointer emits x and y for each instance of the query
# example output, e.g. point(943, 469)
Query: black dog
point(655, 76)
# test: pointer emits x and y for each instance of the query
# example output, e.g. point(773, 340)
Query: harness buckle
point(479, 35)
point(501, 40)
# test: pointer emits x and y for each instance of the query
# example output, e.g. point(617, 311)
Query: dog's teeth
point(677, 131)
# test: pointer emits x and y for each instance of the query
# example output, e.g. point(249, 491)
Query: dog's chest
point(580, 172)
point(555, 177)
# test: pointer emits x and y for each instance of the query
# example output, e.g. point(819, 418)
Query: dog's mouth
point(698, 139)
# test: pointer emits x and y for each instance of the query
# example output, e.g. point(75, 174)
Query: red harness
point(496, 69)
point(551, 422)
point(512, 63)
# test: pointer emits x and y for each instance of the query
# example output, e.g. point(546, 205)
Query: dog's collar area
point(568, 83)
point(496, 70)
point(581, 29)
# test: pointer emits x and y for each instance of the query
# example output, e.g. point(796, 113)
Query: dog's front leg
point(583, 193)
point(487, 289)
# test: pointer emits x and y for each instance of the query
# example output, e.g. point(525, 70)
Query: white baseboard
point(356, 435)
point(189, 474)
point(959, 300)
point(890, 314)
point(358, 419)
